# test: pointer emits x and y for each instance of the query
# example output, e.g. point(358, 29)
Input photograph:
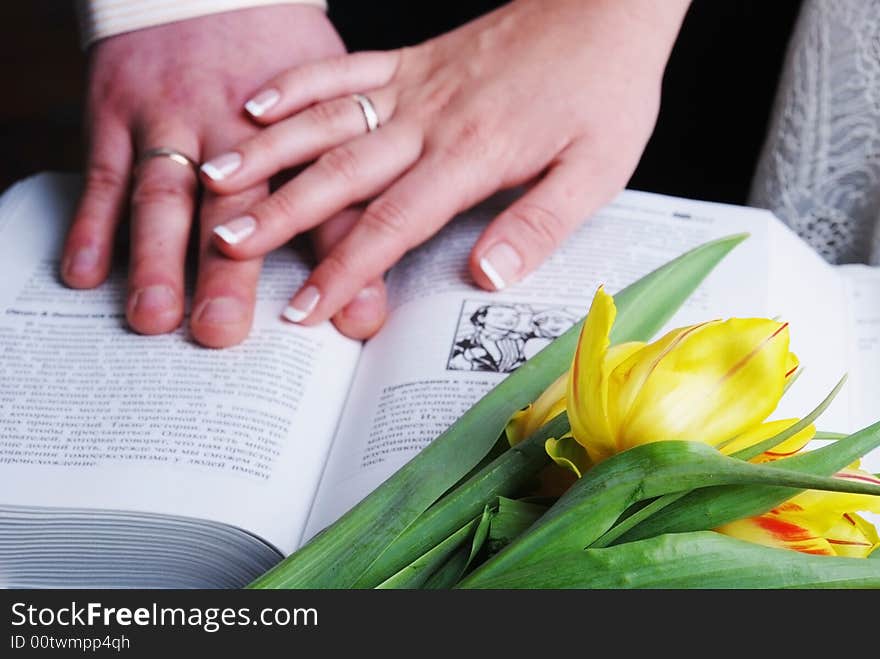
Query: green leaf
point(711, 508)
point(446, 562)
point(593, 504)
point(338, 557)
point(449, 574)
point(481, 534)
point(504, 476)
point(514, 516)
point(691, 560)
point(417, 572)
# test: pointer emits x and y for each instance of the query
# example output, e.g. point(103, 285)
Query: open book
point(152, 462)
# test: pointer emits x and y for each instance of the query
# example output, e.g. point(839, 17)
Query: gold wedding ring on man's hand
point(164, 152)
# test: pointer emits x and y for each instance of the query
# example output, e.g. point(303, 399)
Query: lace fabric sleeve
point(819, 170)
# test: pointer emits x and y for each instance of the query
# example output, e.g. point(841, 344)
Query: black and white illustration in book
point(499, 336)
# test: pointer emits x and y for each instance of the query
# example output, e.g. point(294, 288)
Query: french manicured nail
point(260, 103)
point(220, 311)
point(302, 304)
point(501, 264)
point(153, 300)
point(234, 231)
point(222, 166)
point(364, 307)
point(83, 262)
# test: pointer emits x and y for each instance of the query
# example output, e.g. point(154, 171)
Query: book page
point(809, 294)
point(446, 342)
point(95, 416)
point(863, 296)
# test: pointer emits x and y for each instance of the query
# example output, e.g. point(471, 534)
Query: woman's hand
point(562, 94)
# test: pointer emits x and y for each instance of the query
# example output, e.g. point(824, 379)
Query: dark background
point(717, 91)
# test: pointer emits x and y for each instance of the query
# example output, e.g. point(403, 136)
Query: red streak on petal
point(745, 360)
point(851, 543)
point(792, 371)
point(785, 531)
point(781, 455)
point(776, 333)
point(674, 344)
point(858, 477)
point(849, 519)
point(575, 375)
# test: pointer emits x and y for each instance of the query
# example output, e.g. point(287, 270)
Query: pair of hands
point(560, 95)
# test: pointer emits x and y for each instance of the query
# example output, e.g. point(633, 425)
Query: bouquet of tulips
point(607, 461)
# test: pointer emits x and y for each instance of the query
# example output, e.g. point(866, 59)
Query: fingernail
point(82, 263)
point(302, 305)
point(501, 264)
point(364, 307)
point(234, 231)
point(258, 105)
point(220, 311)
point(153, 300)
point(222, 166)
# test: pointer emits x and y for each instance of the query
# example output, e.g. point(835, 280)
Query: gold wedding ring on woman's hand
point(369, 110)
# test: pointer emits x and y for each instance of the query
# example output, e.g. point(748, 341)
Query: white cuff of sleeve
point(104, 18)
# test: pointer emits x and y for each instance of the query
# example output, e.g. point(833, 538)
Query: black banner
point(192, 623)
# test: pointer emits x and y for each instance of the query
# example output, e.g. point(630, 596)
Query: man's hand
point(182, 86)
point(561, 94)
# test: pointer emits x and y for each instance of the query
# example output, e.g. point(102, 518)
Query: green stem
point(505, 476)
point(642, 514)
point(833, 436)
point(756, 450)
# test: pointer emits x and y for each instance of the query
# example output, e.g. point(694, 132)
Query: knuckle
point(104, 180)
point(387, 217)
point(277, 209)
point(228, 206)
point(469, 140)
point(538, 225)
point(337, 267)
point(158, 188)
point(329, 113)
point(340, 162)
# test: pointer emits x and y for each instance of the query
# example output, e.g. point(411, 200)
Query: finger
point(341, 177)
point(408, 213)
point(163, 203)
point(321, 80)
point(297, 140)
point(88, 248)
point(226, 290)
point(519, 239)
point(365, 314)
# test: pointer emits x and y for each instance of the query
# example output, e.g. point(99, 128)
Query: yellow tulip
point(813, 522)
point(710, 382)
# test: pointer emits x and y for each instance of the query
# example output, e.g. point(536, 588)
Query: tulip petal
point(853, 536)
point(548, 405)
point(627, 378)
point(816, 522)
point(568, 453)
point(587, 399)
point(707, 383)
point(775, 530)
point(767, 430)
point(835, 504)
